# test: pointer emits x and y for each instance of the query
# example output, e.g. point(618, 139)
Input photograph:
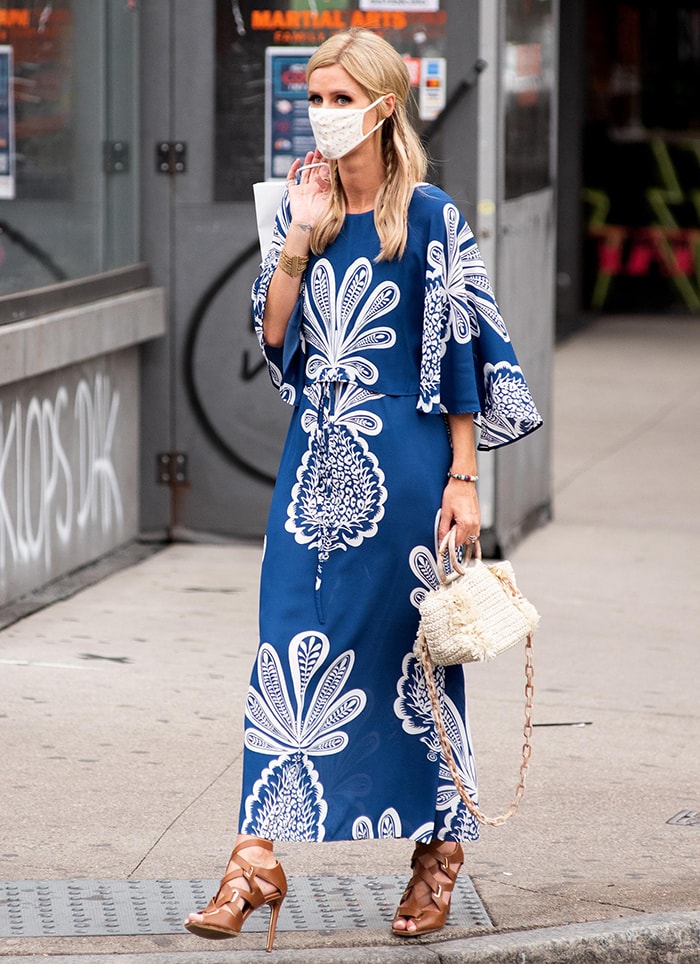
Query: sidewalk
point(120, 710)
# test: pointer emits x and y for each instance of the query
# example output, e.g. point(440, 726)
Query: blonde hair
point(379, 70)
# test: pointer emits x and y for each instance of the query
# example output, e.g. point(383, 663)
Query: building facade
point(225, 86)
point(75, 297)
point(132, 394)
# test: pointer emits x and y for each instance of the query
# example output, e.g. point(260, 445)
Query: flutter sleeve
point(467, 360)
point(286, 363)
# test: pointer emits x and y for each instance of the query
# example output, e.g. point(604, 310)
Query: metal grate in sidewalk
point(68, 908)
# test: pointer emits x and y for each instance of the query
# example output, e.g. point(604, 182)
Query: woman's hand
point(309, 198)
point(460, 508)
point(460, 502)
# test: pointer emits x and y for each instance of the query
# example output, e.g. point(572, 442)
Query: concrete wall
point(526, 296)
point(69, 436)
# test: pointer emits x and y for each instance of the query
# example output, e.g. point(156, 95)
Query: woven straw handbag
point(478, 610)
point(476, 613)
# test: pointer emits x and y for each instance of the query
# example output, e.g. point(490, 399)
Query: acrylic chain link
point(447, 749)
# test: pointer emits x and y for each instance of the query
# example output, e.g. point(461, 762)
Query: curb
point(670, 938)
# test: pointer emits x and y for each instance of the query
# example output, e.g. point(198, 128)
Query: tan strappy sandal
point(225, 914)
point(429, 911)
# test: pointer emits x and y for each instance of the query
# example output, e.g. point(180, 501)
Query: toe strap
point(431, 909)
point(224, 910)
point(439, 895)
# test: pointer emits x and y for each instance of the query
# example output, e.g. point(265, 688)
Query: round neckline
point(358, 214)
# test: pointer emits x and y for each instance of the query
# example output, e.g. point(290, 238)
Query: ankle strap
point(252, 842)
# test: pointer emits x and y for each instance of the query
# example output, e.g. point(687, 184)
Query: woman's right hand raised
point(310, 193)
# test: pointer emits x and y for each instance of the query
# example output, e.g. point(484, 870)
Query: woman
point(379, 326)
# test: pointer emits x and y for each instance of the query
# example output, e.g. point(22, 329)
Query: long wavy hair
point(379, 70)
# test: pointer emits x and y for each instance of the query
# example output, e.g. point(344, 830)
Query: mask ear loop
point(381, 121)
point(375, 128)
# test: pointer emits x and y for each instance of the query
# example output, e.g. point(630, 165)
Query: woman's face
point(334, 87)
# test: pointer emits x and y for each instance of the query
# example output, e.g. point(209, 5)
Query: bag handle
point(427, 664)
point(448, 547)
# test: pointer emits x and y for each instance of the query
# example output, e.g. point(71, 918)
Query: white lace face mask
point(338, 131)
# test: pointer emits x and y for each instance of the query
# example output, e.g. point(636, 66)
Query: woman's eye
point(342, 100)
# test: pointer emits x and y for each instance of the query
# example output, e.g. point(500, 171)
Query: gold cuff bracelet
point(293, 265)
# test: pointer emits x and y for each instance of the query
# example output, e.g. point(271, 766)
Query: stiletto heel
point(227, 912)
point(274, 914)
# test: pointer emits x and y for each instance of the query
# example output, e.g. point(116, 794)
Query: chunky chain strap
point(427, 664)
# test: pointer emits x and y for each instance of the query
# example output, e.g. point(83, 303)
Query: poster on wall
point(7, 126)
point(287, 129)
point(261, 112)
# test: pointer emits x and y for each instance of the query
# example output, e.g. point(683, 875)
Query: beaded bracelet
point(463, 478)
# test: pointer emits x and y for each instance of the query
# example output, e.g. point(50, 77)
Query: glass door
point(210, 415)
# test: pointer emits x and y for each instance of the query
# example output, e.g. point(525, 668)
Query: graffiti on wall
point(57, 478)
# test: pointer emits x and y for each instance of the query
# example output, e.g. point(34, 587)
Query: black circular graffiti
point(194, 397)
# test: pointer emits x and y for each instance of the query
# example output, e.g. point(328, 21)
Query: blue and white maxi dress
point(339, 736)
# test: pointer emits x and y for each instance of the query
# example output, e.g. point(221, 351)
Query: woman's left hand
point(460, 508)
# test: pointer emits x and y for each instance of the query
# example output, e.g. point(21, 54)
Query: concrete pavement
point(120, 709)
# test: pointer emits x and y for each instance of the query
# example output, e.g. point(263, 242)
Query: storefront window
point(528, 87)
point(642, 157)
point(68, 115)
